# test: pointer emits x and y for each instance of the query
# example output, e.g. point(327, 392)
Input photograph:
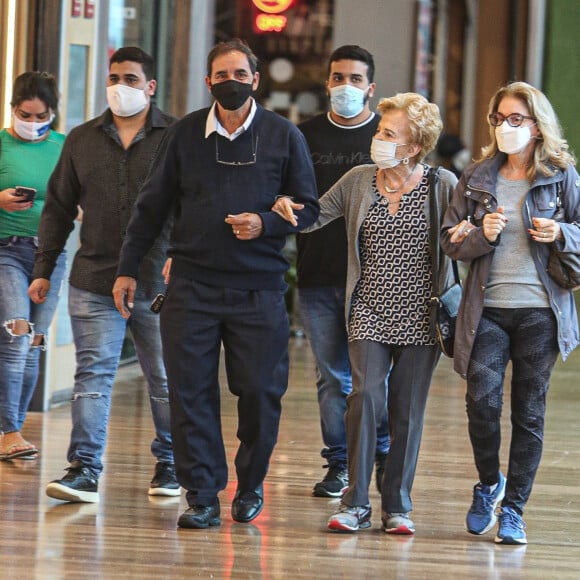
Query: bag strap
point(434, 231)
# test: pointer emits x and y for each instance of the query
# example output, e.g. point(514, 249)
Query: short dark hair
point(354, 52)
point(228, 45)
point(135, 54)
point(35, 85)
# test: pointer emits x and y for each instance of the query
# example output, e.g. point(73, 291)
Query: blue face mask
point(347, 101)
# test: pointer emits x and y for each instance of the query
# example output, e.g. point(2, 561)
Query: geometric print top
point(390, 302)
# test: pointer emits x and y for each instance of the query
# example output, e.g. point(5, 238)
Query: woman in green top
point(29, 150)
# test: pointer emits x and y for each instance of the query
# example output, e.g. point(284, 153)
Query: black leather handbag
point(563, 267)
point(447, 308)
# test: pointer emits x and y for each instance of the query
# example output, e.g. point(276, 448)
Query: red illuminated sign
point(272, 6)
point(270, 22)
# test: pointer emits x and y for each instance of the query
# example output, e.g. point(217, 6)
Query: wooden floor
point(130, 535)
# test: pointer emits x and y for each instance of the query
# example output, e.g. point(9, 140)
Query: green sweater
point(30, 164)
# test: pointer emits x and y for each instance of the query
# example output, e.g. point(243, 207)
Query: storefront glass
point(148, 24)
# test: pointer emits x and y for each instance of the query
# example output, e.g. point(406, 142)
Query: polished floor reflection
point(131, 535)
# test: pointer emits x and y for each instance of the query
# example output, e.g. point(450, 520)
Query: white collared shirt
point(213, 125)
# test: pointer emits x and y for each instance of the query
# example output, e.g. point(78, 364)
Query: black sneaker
point(334, 484)
point(200, 516)
point(380, 459)
point(78, 485)
point(164, 481)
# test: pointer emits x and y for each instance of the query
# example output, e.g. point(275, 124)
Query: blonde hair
point(424, 119)
point(551, 149)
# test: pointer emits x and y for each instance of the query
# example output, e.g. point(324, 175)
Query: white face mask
point(383, 153)
point(126, 101)
point(31, 130)
point(347, 101)
point(511, 140)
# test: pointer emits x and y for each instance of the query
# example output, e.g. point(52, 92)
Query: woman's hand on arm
point(460, 231)
point(285, 207)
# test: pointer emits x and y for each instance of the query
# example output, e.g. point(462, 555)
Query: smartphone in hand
point(26, 193)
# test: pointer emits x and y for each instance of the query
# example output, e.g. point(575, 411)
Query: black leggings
point(527, 337)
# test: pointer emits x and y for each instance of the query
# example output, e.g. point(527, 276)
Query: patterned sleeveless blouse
point(391, 299)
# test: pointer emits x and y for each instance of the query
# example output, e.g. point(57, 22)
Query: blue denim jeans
point(99, 331)
point(19, 361)
point(527, 337)
point(322, 310)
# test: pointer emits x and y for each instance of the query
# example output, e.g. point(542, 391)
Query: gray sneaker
point(398, 524)
point(351, 518)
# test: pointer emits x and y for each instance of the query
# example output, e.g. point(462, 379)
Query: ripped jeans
point(19, 360)
point(99, 331)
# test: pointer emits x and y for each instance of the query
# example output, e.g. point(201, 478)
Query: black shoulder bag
point(444, 303)
point(563, 267)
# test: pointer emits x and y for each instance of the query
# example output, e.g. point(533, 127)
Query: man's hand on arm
point(124, 294)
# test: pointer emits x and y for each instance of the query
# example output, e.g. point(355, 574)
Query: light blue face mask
point(347, 101)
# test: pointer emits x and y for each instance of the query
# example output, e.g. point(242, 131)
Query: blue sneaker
point(511, 527)
point(481, 515)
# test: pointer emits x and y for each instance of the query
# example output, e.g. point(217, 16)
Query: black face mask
point(231, 95)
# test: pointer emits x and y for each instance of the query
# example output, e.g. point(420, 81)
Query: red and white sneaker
point(398, 524)
point(350, 518)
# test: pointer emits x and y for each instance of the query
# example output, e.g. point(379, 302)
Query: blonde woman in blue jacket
point(501, 220)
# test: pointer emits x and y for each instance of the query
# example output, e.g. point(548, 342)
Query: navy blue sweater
point(187, 176)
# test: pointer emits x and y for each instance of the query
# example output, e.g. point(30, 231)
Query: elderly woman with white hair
point(390, 281)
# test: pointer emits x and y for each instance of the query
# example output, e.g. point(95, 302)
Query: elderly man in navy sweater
point(220, 171)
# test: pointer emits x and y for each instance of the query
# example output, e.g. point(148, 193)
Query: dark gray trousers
point(409, 370)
